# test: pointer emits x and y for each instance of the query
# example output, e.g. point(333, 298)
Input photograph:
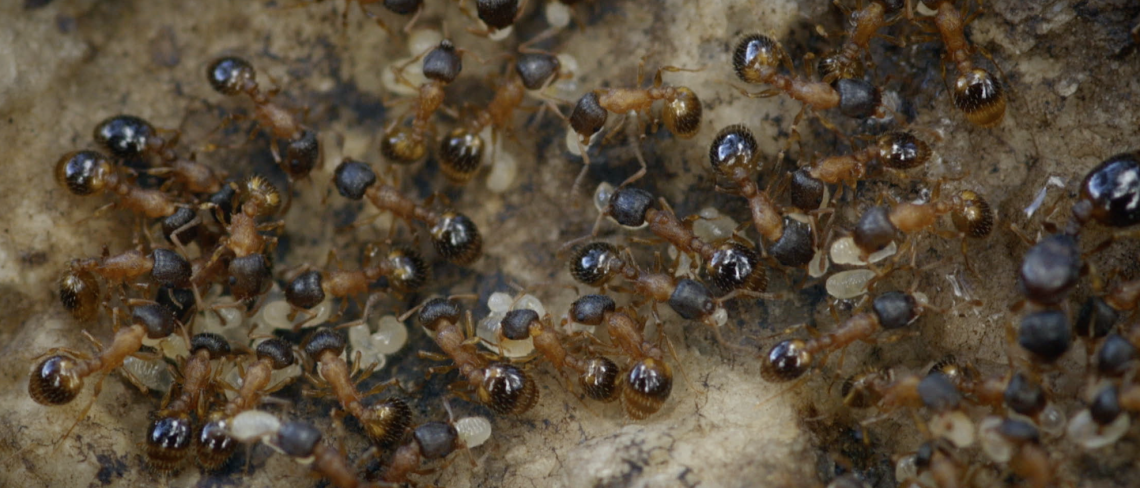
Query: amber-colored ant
point(429, 441)
point(89, 172)
point(249, 269)
point(403, 267)
point(649, 380)
point(79, 291)
point(970, 213)
point(58, 378)
point(454, 235)
point(127, 136)
point(896, 150)
point(975, 91)
point(597, 375)
point(404, 144)
point(847, 61)
point(730, 264)
point(734, 155)
point(231, 76)
point(681, 113)
point(214, 444)
point(498, 16)
point(502, 387)
point(301, 441)
point(170, 435)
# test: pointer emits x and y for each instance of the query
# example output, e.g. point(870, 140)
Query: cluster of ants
point(219, 237)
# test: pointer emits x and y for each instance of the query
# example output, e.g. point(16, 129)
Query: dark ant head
point(1019, 431)
point(460, 155)
point(895, 309)
point(214, 344)
point(83, 172)
point(443, 63)
point(1045, 334)
point(124, 136)
point(401, 146)
point(1113, 190)
point(324, 341)
point(786, 361)
point(457, 239)
point(302, 154)
point(600, 379)
point(595, 263)
point(516, 323)
point(806, 190)
point(974, 218)
point(231, 75)
point(938, 393)
point(737, 266)
point(755, 56)
point(796, 246)
point(436, 311)
point(891, 7)
point(629, 205)
point(249, 276)
point(306, 290)
point(403, 7)
point(857, 98)
point(1116, 356)
point(436, 439)
point(1024, 396)
point(536, 69)
point(507, 390)
point(157, 320)
point(591, 309)
point(874, 231)
point(170, 268)
point(588, 116)
point(732, 148)
point(178, 300)
point(1105, 406)
point(54, 381)
point(980, 97)
point(387, 422)
point(214, 444)
point(409, 271)
point(353, 178)
point(278, 352)
point(79, 294)
point(497, 14)
point(692, 300)
point(181, 217)
point(682, 114)
point(1050, 269)
point(646, 387)
point(168, 440)
point(902, 150)
point(298, 438)
point(223, 201)
point(1095, 319)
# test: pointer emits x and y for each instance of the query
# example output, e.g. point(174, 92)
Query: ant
point(214, 444)
point(403, 267)
point(249, 268)
point(1046, 335)
point(170, 434)
point(129, 137)
point(970, 213)
point(502, 387)
point(302, 441)
point(976, 92)
point(681, 113)
point(79, 290)
point(596, 263)
point(386, 421)
point(441, 66)
point(791, 358)
point(454, 235)
point(1109, 194)
point(90, 172)
point(429, 441)
point(649, 380)
point(847, 61)
point(730, 264)
point(398, 7)
point(231, 76)
point(597, 375)
point(756, 60)
point(497, 16)
point(58, 378)
point(733, 155)
point(896, 150)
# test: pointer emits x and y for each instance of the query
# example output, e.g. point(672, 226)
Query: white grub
point(422, 40)
point(845, 252)
point(390, 335)
point(713, 226)
point(504, 171)
point(995, 445)
point(1085, 431)
point(488, 329)
point(171, 347)
point(953, 426)
point(557, 15)
point(253, 425)
point(153, 374)
point(849, 284)
point(473, 431)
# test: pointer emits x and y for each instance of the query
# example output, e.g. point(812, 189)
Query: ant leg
point(641, 160)
point(86, 409)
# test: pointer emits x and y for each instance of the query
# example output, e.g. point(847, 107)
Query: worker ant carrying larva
point(970, 213)
point(404, 269)
point(406, 144)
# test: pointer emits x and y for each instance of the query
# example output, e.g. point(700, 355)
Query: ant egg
point(953, 426)
point(849, 284)
point(845, 252)
point(1051, 420)
point(473, 431)
point(557, 14)
point(423, 40)
point(152, 374)
point(504, 170)
point(1085, 431)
